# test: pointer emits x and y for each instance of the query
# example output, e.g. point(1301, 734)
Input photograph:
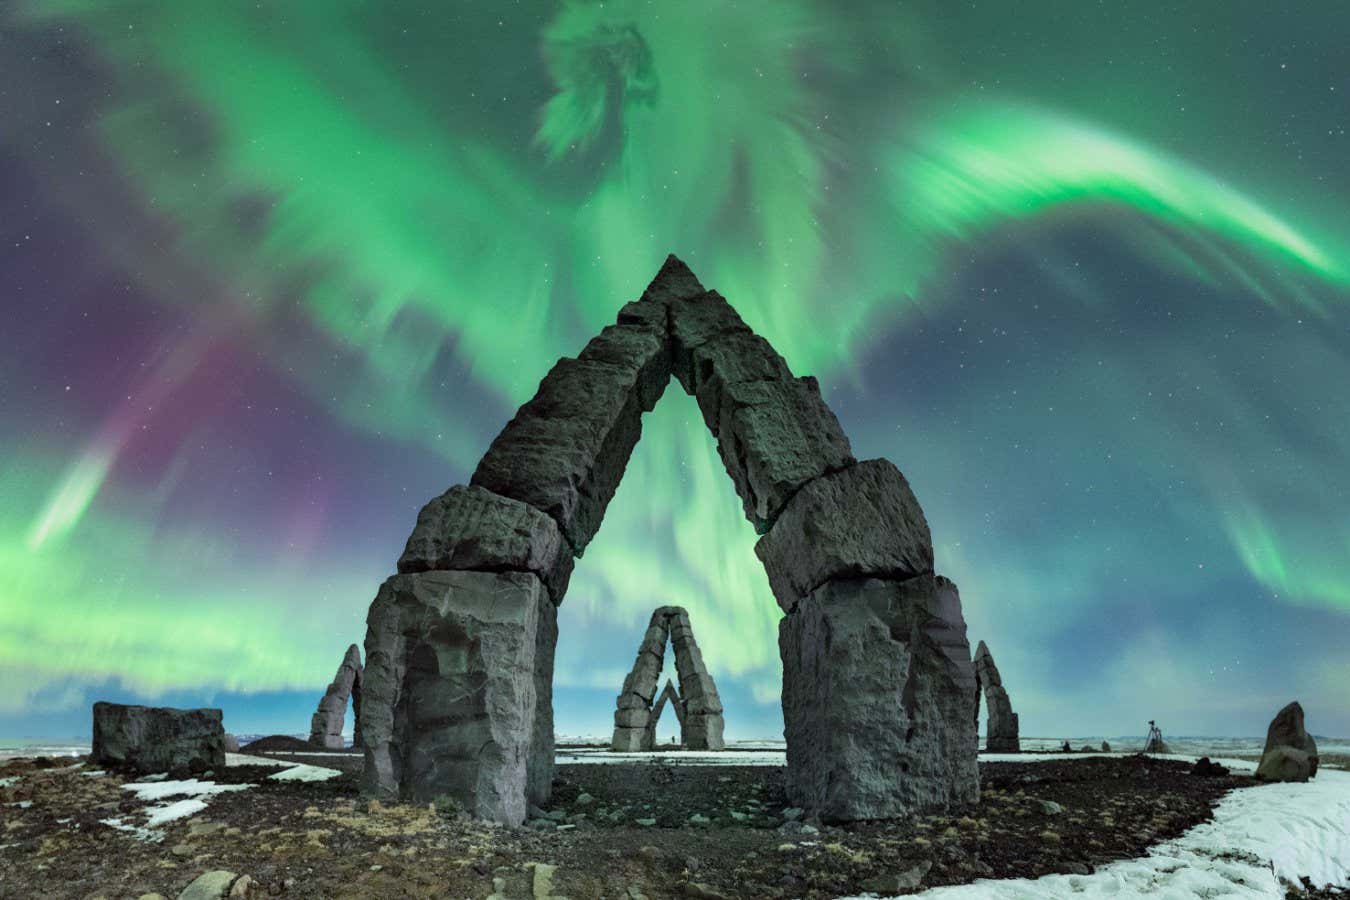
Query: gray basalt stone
point(1290, 753)
point(539, 768)
point(672, 696)
point(565, 450)
point(472, 528)
point(702, 732)
point(450, 689)
point(325, 727)
point(1001, 725)
point(629, 345)
point(861, 521)
point(629, 740)
point(877, 706)
point(774, 437)
point(146, 739)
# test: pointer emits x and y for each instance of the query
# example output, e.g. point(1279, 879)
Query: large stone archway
point(1000, 732)
point(877, 675)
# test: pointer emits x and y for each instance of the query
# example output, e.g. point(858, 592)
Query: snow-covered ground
point(1259, 838)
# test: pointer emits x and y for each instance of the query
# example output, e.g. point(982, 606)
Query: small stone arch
point(697, 703)
point(1000, 733)
point(877, 676)
point(325, 726)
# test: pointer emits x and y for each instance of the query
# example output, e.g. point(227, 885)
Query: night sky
point(275, 274)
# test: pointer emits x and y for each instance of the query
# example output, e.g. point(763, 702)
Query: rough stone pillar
point(1001, 726)
point(325, 727)
point(876, 710)
point(450, 689)
point(701, 727)
point(633, 709)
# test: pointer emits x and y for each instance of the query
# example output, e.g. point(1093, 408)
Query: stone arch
point(877, 677)
point(325, 726)
point(1000, 733)
point(697, 703)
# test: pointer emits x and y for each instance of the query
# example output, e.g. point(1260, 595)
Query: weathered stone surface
point(643, 678)
point(632, 718)
point(877, 707)
point(702, 732)
point(539, 767)
point(148, 739)
point(472, 528)
point(449, 695)
point(628, 740)
point(774, 437)
point(1287, 733)
point(698, 324)
point(634, 346)
point(1001, 725)
point(565, 450)
point(1284, 763)
point(325, 727)
point(861, 521)
point(208, 886)
point(730, 357)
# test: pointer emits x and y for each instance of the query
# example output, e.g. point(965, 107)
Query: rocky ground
point(616, 831)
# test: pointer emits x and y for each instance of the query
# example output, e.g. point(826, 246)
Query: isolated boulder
point(1290, 753)
point(146, 739)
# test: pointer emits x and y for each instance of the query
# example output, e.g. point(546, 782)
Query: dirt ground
point(612, 831)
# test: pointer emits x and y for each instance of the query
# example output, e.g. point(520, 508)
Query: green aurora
point(407, 217)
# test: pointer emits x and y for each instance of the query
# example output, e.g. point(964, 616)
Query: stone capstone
point(1001, 725)
point(1290, 753)
point(877, 701)
point(450, 689)
point(325, 727)
point(861, 521)
point(147, 739)
point(471, 528)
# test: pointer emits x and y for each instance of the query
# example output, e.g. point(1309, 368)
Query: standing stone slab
point(325, 727)
point(566, 449)
point(1001, 726)
point(471, 528)
point(774, 437)
point(877, 709)
point(147, 739)
point(1290, 753)
point(861, 521)
point(539, 767)
point(450, 689)
point(668, 694)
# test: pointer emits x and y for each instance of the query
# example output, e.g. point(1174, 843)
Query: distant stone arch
point(325, 727)
point(877, 676)
point(1000, 733)
point(697, 703)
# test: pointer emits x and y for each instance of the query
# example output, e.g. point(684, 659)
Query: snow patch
point(93, 773)
point(6, 782)
point(168, 812)
point(190, 787)
point(305, 772)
